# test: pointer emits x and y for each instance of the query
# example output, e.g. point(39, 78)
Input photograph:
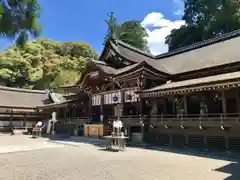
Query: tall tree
point(19, 19)
point(205, 19)
point(130, 32)
point(44, 64)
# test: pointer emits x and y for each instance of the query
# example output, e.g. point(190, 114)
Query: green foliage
point(130, 32)
point(112, 27)
point(19, 19)
point(205, 19)
point(44, 63)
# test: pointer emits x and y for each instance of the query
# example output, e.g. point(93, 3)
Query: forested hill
point(44, 64)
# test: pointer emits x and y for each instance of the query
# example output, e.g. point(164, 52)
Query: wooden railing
point(79, 120)
point(211, 120)
point(196, 119)
point(75, 120)
point(127, 120)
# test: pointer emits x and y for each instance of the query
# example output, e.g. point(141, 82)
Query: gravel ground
point(50, 161)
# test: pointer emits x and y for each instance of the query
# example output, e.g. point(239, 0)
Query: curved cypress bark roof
point(217, 51)
point(25, 98)
point(197, 84)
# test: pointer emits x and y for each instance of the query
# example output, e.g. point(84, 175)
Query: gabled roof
point(134, 55)
point(16, 97)
point(57, 104)
point(151, 64)
point(210, 53)
point(220, 53)
point(125, 51)
point(104, 67)
point(129, 52)
point(93, 65)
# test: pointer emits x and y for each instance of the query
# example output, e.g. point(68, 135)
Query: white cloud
point(158, 28)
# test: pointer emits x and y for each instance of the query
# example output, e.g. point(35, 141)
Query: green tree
point(130, 32)
point(43, 63)
point(205, 19)
point(19, 19)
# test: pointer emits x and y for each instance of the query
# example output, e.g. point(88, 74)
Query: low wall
point(94, 130)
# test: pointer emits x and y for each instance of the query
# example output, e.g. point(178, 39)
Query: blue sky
point(83, 20)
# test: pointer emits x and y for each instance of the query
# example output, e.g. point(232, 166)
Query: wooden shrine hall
point(19, 107)
point(188, 97)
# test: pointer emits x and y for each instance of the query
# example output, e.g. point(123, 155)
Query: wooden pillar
point(74, 118)
point(102, 107)
point(227, 144)
point(90, 106)
point(64, 113)
point(67, 110)
point(73, 110)
point(165, 105)
point(205, 142)
point(185, 104)
point(186, 139)
point(140, 107)
point(122, 102)
point(237, 101)
point(141, 116)
point(173, 105)
point(65, 119)
point(153, 111)
point(11, 123)
point(141, 85)
point(224, 107)
point(170, 139)
point(24, 120)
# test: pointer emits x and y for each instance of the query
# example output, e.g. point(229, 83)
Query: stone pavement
point(86, 161)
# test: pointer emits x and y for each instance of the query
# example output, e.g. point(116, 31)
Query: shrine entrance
point(96, 114)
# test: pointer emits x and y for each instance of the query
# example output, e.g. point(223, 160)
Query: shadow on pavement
point(108, 150)
point(232, 168)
